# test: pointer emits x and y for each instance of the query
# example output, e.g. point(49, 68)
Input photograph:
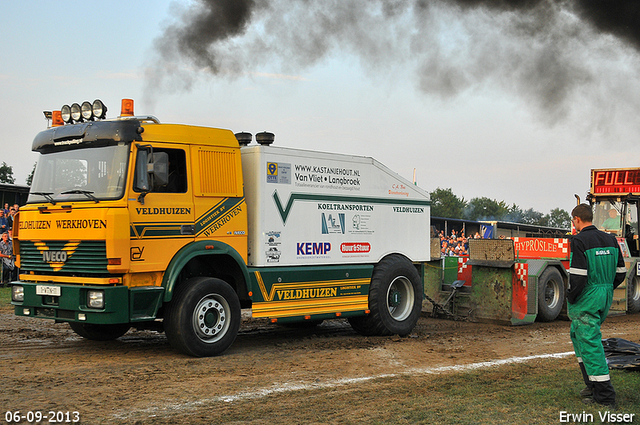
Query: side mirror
point(142, 177)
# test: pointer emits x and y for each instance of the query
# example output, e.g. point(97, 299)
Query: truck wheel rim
point(210, 319)
point(400, 298)
point(552, 293)
point(635, 293)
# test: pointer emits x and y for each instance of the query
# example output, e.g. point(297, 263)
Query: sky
point(513, 105)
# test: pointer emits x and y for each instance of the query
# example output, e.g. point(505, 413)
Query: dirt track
point(45, 366)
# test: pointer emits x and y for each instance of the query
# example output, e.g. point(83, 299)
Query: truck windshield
point(90, 174)
point(608, 216)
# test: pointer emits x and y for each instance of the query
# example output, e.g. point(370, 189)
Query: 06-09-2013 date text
point(44, 417)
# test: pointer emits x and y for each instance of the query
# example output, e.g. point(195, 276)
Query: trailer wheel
point(203, 317)
point(550, 295)
point(633, 295)
point(395, 299)
point(99, 332)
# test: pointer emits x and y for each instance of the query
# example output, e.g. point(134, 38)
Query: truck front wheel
point(203, 317)
point(395, 299)
point(633, 295)
point(99, 332)
point(550, 295)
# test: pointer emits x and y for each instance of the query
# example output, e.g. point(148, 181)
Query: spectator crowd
point(9, 271)
point(456, 244)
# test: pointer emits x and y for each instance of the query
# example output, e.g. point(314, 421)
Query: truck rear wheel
point(99, 332)
point(550, 295)
point(203, 317)
point(633, 295)
point(395, 299)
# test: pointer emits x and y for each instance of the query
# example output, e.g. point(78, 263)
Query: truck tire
point(203, 318)
point(633, 295)
point(550, 295)
point(99, 332)
point(395, 299)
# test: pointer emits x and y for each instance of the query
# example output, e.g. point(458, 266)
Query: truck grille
point(81, 257)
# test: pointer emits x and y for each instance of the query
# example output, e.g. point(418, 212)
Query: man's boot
point(588, 390)
point(604, 394)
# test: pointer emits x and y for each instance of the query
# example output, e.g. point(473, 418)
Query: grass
point(533, 393)
point(5, 298)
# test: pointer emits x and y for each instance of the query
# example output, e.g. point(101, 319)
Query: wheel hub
point(210, 319)
point(400, 298)
point(395, 298)
point(551, 294)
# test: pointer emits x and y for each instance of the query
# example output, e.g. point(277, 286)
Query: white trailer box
point(307, 207)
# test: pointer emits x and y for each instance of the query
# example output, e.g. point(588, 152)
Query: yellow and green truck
point(131, 222)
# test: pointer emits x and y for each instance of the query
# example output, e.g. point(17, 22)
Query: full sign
point(620, 181)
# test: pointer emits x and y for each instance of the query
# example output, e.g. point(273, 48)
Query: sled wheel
point(550, 295)
point(203, 317)
point(395, 299)
point(99, 332)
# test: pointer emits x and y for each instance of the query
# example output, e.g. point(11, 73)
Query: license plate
point(48, 290)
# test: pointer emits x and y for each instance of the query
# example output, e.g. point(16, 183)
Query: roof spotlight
point(76, 113)
point(86, 110)
point(99, 109)
point(65, 111)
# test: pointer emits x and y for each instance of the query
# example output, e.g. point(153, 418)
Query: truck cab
point(615, 198)
point(618, 216)
point(120, 212)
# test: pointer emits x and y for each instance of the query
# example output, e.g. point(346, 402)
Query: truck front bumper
point(70, 303)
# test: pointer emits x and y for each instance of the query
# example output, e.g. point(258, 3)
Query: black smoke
point(620, 18)
point(547, 52)
point(207, 23)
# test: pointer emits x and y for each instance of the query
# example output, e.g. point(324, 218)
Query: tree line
point(444, 203)
point(6, 174)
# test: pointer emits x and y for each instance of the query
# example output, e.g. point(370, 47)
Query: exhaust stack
point(244, 138)
point(265, 138)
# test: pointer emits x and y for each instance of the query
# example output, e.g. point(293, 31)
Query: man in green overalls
point(597, 268)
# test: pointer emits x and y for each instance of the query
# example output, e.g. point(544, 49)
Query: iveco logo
point(54, 256)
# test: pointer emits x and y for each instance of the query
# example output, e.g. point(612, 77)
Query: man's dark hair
point(583, 212)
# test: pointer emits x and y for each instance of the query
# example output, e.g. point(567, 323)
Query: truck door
point(631, 228)
point(160, 207)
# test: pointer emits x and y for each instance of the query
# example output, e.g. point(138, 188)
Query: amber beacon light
point(56, 119)
point(126, 109)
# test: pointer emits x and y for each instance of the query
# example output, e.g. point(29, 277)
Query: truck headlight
point(17, 293)
point(95, 299)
